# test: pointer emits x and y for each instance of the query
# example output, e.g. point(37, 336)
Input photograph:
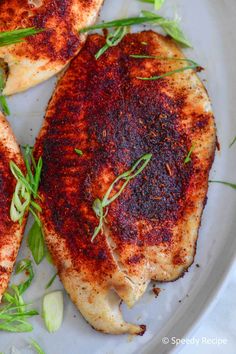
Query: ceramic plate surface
point(210, 26)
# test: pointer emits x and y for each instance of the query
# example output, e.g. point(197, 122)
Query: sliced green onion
point(17, 36)
point(232, 142)
point(24, 200)
point(37, 347)
point(171, 27)
point(53, 310)
point(79, 152)
point(3, 102)
point(36, 243)
point(51, 281)
point(98, 209)
point(232, 185)
point(25, 265)
point(188, 157)
point(99, 205)
point(169, 73)
point(193, 65)
point(157, 3)
point(14, 315)
point(112, 40)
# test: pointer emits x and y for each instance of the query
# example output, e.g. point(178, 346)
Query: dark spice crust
point(101, 108)
point(60, 42)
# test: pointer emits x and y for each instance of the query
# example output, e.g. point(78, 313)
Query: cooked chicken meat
point(45, 54)
point(150, 231)
point(10, 233)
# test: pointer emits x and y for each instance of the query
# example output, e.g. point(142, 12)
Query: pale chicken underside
point(10, 233)
point(43, 55)
point(87, 110)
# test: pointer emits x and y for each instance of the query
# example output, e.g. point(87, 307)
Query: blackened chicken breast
point(103, 108)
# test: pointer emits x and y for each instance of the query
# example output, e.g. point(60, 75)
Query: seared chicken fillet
point(10, 233)
point(150, 231)
point(43, 55)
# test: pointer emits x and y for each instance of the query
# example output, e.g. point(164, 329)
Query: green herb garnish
point(36, 243)
point(53, 308)
point(25, 265)
point(17, 36)
point(26, 188)
point(145, 56)
point(232, 142)
point(79, 152)
point(112, 40)
point(232, 185)
point(99, 205)
point(3, 102)
point(188, 157)
point(37, 347)
point(193, 65)
point(157, 3)
point(171, 27)
point(14, 314)
point(24, 199)
point(51, 281)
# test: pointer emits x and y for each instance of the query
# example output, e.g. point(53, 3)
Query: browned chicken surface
point(150, 231)
point(43, 55)
point(10, 233)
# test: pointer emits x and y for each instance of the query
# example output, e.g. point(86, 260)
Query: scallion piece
point(14, 313)
point(232, 142)
point(193, 65)
point(171, 27)
point(17, 36)
point(232, 185)
point(157, 3)
point(51, 281)
point(112, 40)
point(37, 347)
point(36, 243)
point(3, 102)
point(188, 157)
point(53, 310)
point(99, 205)
point(79, 152)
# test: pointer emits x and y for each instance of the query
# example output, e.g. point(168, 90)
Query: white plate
point(210, 25)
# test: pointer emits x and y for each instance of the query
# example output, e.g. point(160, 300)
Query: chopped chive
point(79, 152)
point(157, 3)
point(51, 281)
point(36, 242)
point(17, 36)
point(188, 157)
point(99, 205)
point(232, 142)
point(169, 73)
point(193, 65)
point(171, 27)
point(112, 40)
point(37, 347)
point(232, 185)
point(3, 102)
